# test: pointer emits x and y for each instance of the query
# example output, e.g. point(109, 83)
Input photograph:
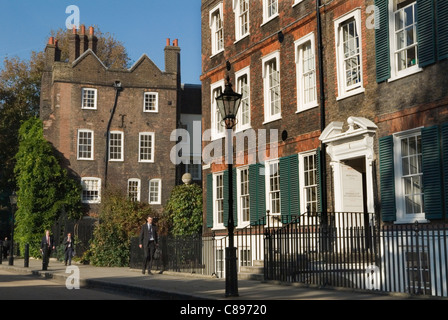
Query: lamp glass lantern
point(228, 104)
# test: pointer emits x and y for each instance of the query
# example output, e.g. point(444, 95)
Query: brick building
point(113, 127)
point(356, 92)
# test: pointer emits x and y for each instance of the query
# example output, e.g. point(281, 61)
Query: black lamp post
point(13, 201)
point(228, 103)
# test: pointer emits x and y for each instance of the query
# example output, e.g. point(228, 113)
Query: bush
point(120, 220)
point(184, 210)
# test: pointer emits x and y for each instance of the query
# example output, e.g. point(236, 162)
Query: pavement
point(183, 286)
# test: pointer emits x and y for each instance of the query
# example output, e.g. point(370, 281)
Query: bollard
point(27, 256)
point(1, 252)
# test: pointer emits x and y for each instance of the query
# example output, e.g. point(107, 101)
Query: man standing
point(148, 241)
point(69, 243)
point(46, 246)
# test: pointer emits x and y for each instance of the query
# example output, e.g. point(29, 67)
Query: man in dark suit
point(148, 241)
point(46, 246)
point(69, 243)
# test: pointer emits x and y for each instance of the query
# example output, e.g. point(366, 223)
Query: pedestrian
point(148, 241)
point(5, 248)
point(46, 246)
point(69, 252)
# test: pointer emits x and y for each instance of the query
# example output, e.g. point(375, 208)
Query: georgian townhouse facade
point(353, 96)
point(113, 127)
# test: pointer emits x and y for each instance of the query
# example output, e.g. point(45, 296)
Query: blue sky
point(141, 25)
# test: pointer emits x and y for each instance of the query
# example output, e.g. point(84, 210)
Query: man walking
point(46, 246)
point(69, 243)
point(148, 241)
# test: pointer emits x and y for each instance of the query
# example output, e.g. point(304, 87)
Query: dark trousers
point(45, 257)
point(149, 253)
point(68, 256)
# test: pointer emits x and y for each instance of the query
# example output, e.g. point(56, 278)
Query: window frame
point(217, 11)
point(194, 175)
point(269, 199)
point(149, 93)
point(267, 88)
point(215, 115)
point(245, 72)
point(266, 17)
point(121, 134)
point(242, 223)
point(138, 192)
point(92, 145)
point(159, 191)
point(152, 134)
point(344, 90)
point(95, 98)
point(302, 187)
point(239, 35)
point(394, 73)
point(298, 49)
point(216, 213)
point(96, 200)
point(400, 199)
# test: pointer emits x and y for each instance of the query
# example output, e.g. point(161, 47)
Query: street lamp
point(13, 201)
point(228, 103)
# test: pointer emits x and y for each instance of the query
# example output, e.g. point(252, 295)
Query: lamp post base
point(231, 273)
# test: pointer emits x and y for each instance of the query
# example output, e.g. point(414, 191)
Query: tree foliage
point(184, 210)
point(45, 189)
point(119, 220)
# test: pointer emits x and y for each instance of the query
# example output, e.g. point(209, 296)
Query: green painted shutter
point(257, 193)
point(382, 55)
point(289, 185)
point(426, 32)
point(261, 191)
point(445, 162)
point(442, 29)
point(431, 167)
point(209, 199)
point(253, 172)
point(387, 179)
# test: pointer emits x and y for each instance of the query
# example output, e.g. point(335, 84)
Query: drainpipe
point(118, 88)
point(323, 162)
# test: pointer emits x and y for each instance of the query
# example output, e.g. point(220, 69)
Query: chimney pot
point(176, 42)
point(51, 40)
point(168, 41)
point(91, 31)
point(74, 30)
point(83, 29)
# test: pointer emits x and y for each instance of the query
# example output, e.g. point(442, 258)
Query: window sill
point(242, 38)
point(269, 19)
point(351, 93)
point(266, 121)
point(238, 130)
point(404, 74)
point(307, 107)
point(411, 221)
point(216, 53)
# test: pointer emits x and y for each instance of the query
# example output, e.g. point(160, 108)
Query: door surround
point(356, 142)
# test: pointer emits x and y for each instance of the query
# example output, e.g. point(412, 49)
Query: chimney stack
point(80, 42)
point(52, 52)
point(172, 57)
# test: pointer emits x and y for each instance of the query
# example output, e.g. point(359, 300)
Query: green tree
point(119, 220)
point(44, 188)
point(184, 210)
